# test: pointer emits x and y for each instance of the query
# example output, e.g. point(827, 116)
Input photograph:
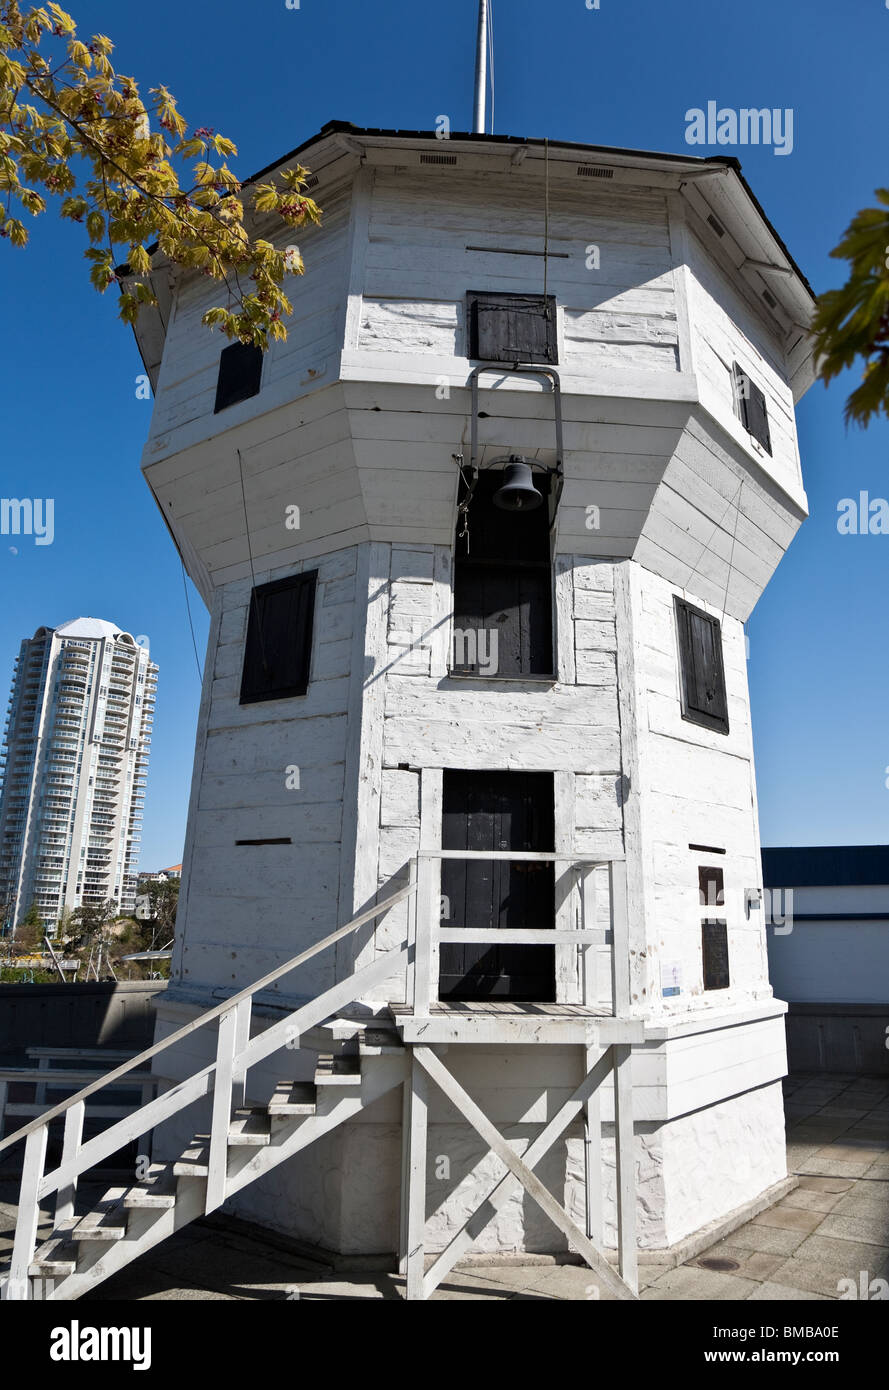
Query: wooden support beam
point(405, 1175)
point(529, 1180)
point(416, 1179)
point(625, 1164)
point(592, 1152)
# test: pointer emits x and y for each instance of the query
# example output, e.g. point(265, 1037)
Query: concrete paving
point(833, 1227)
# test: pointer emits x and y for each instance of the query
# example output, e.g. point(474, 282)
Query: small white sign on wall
point(671, 978)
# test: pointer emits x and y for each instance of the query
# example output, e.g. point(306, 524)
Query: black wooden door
point(497, 811)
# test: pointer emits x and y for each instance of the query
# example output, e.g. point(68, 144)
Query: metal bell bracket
point(551, 375)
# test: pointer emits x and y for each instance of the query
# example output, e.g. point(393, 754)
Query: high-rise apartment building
point(77, 742)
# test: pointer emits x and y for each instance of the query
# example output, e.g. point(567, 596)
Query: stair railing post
point(427, 918)
point(589, 988)
point(244, 1012)
point(411, 931)
point(25, 1243)
point(70, 1148)
point(220, 1124)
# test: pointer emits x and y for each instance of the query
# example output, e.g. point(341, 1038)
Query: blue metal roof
point(824, 866)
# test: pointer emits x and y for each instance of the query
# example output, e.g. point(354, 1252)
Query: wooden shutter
point(512, 327)
point(714, 947)
point(701, 668)
point(752, 407)
point(240, 371)
point(279, 639)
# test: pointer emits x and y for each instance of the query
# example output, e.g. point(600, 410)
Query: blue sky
point(625, 74)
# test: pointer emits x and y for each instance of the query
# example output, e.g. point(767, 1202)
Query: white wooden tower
point(362, 734)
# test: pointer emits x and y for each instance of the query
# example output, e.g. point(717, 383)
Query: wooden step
point(193, 1161)
point(157, 1191)
point(107, 1222)
point(57, 1256)
point(293, 1098)
point(249, 1129)
point(379, 1042)
point(338, 1070)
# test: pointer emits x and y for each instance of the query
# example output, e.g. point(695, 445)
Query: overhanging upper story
point(679, 334)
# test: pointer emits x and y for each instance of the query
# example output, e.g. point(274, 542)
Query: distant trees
point(28, 935)
point(163, 901)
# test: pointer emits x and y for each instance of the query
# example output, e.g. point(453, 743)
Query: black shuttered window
point(278, 650)
point(752, 409)
point(512, 327)
point(702, 675)
point(240, 373)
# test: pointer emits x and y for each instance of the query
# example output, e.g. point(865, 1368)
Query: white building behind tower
point(77, 743)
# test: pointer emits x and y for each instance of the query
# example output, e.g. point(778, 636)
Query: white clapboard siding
point(406, 325)
point(726, 330)
point(187, 382)
point(422, 233)
point(603, 337)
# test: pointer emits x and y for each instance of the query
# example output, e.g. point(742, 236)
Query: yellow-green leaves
point(73, 127)
point(266, 197)
point(15, 232)
point(851, 324)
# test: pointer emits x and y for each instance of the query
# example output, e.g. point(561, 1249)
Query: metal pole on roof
point(481, 68)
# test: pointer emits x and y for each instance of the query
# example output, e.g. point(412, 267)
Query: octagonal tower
point(569, 678)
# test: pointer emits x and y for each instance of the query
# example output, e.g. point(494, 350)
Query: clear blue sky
point(269, 77)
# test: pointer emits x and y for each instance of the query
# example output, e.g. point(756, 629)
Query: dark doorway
point(498, 811)
point(503, 585)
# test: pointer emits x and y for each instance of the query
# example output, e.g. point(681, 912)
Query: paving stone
point(811, 1201)
point(789, 1218)
point(691, 1282)
point(575, 1283)
point(844, 1256)
point(871, 1229)
point(768, 1240)
point(818, 1166)
point(772, 1292)
point(862, 1151)
point(864, 1199)
point(322, 1290)
point(826, 1184)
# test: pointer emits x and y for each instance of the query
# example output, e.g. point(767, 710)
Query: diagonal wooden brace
point(503, 1190)
point(520, 1171)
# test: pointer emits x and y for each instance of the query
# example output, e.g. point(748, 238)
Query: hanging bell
point(518, 493)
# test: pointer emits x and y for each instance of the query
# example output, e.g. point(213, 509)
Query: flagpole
point(481, 68)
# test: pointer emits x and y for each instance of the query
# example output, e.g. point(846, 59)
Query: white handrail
point(216, 1012)
point(430, 933)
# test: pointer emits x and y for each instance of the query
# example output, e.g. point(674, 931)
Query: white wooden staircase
point(244, 1140)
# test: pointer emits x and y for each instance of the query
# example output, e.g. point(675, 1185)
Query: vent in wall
point(594, 171)
point(716, 225)
point(313, 181)
point(770, 299)
point(438, 159)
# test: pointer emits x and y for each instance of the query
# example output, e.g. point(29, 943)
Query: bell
point(518, 493)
